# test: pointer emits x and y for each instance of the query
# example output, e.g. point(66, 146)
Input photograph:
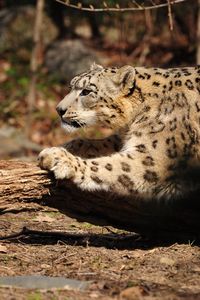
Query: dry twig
point(170, 15)
point(117, 8)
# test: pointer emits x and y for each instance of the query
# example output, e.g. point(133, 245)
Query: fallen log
point(25, 186)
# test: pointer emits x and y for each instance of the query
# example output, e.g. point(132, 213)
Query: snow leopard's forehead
point(91, 77)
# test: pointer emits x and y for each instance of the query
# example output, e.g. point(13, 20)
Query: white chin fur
point(68, 128)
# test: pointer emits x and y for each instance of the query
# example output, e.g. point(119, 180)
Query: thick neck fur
point(155, 95)
point(156, 100)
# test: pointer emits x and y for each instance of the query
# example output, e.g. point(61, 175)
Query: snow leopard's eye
point(85, 92)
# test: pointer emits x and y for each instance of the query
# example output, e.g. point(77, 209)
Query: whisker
point(80, 123)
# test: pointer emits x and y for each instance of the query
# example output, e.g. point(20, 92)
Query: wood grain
point(25, 186)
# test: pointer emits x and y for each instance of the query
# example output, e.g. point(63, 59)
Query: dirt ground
point(118, 265)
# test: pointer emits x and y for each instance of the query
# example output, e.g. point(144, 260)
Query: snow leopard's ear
point(125, 77)
point(94, 66)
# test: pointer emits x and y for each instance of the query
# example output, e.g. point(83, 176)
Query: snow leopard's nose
point(60, 111)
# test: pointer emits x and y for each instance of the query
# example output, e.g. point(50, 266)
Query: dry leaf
point(44, 218)
point(3, 249)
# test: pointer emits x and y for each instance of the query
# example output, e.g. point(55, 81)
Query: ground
point(119, 266)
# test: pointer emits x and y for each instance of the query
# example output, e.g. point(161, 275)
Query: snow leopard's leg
point(121, 173)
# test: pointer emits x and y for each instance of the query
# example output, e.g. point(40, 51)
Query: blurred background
point(43, 44)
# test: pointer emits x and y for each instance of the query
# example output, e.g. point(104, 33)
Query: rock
point(16, 28)
point(43, 282)
point(14, 143)
point(67, 58)
point(132, 293)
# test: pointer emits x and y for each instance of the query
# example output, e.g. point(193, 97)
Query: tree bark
point(36, 61)
point(26, 186)
point(198, 35)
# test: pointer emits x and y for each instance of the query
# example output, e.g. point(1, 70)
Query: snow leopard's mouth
point(73, 123)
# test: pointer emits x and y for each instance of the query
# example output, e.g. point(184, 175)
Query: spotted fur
point(155, 114)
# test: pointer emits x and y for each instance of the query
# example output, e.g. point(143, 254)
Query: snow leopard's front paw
point(57, 160)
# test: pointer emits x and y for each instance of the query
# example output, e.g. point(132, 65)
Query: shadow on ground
point(124, 241)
